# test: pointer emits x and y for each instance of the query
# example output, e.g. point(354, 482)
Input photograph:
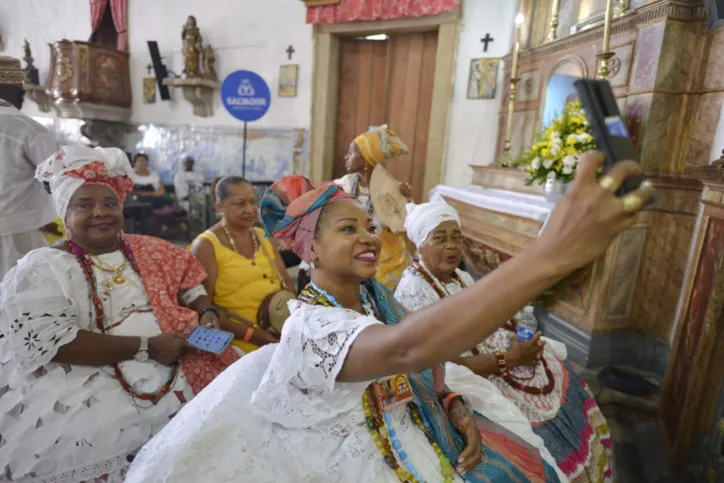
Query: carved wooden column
point(694, 381)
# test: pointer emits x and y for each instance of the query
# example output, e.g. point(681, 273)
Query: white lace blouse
point(279, 414)
point(70, 423)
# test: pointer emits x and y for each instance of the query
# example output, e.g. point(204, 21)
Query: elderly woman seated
point(533, 374)
point(93, 354)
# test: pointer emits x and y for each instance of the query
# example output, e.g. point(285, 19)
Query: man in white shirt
point(25, 207)
point(185, 180)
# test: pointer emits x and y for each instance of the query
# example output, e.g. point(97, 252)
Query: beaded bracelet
point(448, 399)
point(249, 333)
point(502, 363)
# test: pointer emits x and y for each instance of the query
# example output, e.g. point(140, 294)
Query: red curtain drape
point(365, 10)
point(119, 10)
point(97, 7)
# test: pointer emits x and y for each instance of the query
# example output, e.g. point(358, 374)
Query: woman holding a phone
point(93, 355)
point(309, 409)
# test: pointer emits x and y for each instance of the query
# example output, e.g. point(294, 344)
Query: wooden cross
point(486, 40)
point(290, 52)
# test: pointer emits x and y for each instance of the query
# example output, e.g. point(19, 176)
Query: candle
point(607, 25)
point(519, 19)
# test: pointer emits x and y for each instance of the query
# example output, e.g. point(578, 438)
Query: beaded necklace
point(442, 293)
point(379, 426)
point(257, 245)
point(94, 302)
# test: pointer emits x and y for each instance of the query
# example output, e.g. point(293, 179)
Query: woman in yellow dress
point(378, 145)
point(54, 232)
point(240, 263)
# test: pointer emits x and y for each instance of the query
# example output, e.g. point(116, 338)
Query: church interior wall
point(473, 122)
point(168, 130)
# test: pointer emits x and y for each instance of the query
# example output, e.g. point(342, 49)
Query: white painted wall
point(41, 22)
point(473, 124)
point(247, 34)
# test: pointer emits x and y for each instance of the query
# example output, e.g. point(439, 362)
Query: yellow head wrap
point(379, 145)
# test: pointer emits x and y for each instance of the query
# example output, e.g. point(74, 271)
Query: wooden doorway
point(388, 82)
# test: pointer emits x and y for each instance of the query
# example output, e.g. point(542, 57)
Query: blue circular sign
point(245, 95)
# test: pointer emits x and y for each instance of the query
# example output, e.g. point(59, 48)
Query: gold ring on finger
point(608, 183)
point(632, 203)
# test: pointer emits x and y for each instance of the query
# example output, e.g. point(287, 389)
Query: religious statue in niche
point(209, 63)
point(483, 79)
point(193, 48)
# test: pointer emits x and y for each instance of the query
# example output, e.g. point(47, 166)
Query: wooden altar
point(653, 300)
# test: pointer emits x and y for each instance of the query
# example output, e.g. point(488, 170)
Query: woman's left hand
point(406, 190)
point(210, 320)
point(463, 421)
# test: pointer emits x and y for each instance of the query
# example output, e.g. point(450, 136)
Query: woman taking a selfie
point(93, 354)
point(315, 397)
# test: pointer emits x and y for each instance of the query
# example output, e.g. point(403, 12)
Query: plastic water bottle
point(527, 327)
point(527, 324)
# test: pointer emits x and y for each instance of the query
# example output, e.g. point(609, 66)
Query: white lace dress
point(414, 293)
point(279, 415)
point(70, 423)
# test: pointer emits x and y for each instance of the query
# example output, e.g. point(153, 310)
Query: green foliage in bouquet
point(556, 150)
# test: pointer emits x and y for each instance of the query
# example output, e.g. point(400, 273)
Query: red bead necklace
point(97, 304)
point(506, 376)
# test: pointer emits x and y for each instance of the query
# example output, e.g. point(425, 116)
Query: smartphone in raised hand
point(607, 127)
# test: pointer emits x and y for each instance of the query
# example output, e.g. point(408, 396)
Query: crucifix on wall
point(290, 51)
point(485, 41)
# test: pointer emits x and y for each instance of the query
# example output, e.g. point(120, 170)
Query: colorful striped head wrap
point(290, 210)
point(379, 145)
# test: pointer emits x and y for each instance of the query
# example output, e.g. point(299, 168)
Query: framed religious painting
point(149, 90)
point(288, 75)
point(483, 78)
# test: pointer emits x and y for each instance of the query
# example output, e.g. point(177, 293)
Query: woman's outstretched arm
point(579, 230)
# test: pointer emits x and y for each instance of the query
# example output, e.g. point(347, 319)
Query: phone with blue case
point(210, 340)
point(607, 127)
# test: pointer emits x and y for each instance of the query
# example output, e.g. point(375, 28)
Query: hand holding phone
point(608, 128)
point(210, 340)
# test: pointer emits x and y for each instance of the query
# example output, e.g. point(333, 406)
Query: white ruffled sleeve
point(300, 387)
point(37, 315)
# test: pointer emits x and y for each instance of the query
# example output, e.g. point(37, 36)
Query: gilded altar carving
point(482, 259)
point(64, 70)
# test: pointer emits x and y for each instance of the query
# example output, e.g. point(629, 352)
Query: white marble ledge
point(502, 201)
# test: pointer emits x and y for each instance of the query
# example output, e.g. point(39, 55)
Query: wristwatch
point(142, 354)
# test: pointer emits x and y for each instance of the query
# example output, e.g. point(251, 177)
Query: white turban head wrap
point(424, 218)
point(72, 166)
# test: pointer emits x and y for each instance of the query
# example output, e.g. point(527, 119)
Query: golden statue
point(209, 63)
point(193, 48)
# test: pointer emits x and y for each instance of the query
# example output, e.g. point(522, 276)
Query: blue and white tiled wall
point(270, 153)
